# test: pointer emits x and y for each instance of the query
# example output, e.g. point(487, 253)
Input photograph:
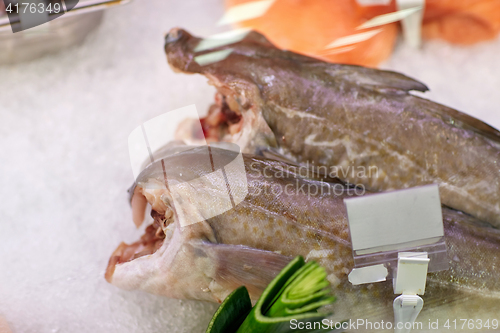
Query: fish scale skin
point(429, 151)
point(313, 222)
point(348, 116)
point(292, 223)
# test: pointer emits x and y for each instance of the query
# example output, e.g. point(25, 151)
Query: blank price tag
point(386, 221)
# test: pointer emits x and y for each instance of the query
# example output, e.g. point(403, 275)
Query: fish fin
point(376, 78)
point(258, 45)
point(238, 265)
point(459, 119)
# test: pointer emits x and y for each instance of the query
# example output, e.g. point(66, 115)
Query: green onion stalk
point(297, 292)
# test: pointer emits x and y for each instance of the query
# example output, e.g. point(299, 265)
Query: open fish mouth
point(221, 124)
point(191, 249)
point(183, 189)
point(221, 120)
point(156, 234)
point(231, 118)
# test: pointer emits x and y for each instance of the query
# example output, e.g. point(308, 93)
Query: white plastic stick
point(412, 24)
point(246, 11)
point(353, 39)
point(225, 38)
point(388, 18)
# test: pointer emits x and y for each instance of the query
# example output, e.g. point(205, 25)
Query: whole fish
point(283, 215)
point(363, 124)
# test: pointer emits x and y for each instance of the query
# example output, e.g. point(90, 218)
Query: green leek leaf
point(231, 313)
point(296, 293)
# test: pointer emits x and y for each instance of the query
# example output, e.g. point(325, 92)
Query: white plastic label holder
point(411, 273)
point(407, 220)
point(406, 310)
point(400, 234)
point(409, 281)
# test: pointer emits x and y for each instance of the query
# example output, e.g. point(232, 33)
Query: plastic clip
point(409, 280)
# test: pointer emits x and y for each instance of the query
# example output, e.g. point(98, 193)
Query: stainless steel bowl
point(53, 36)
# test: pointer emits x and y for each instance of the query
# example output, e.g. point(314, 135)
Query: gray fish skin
point(248, 245)
point(348, 117)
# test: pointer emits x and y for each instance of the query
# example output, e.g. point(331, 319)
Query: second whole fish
point(348, 118)
point(283, 215)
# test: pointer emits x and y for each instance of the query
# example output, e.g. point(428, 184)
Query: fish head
point(181, 49)
point(180, 45)
point(172, 258)
point(236, 114)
